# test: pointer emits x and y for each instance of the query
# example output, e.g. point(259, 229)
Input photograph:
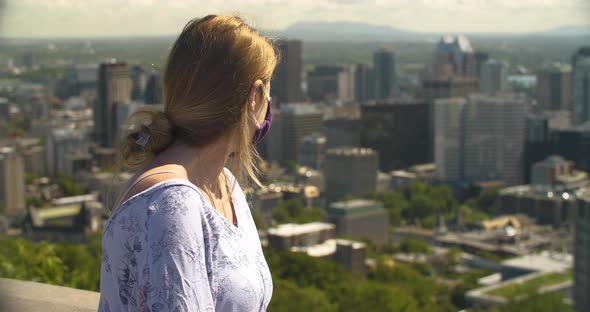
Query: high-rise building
point(554, 87)
point(60, 143)
point(343, 132)
point(322, 83)
point(494, 138)
point(360, 219)
point(581, 53)
point(346, 82)
point(433, 89)
point(480, 59)
point(398, 130)
point(138, 83)
point(286, 83)
point(364, 83)
point(581, 90)
point(114, 86)
point(153, 88)
point(582, 253)
point(480, 139)
point(298, 121)
point(448, 138)
point(453, 57)
point(350, 171)
point(312, 151)
point(12, 178)
point(493, 77)
point(385, 66)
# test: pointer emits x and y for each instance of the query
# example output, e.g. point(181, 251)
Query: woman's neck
point(201, 165)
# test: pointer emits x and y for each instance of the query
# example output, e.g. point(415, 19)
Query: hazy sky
point(90, 18)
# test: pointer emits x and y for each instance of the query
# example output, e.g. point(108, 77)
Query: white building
point(448, 138)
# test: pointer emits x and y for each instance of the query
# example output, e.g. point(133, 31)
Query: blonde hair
point(208, 77)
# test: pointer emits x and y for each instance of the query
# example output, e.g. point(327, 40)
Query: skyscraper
point(582, 253)
point(453, 56)
point(480, 139)
point(286, 83)
point(399, 130)
point(494, 138)
point(153, 88)
point(138, 80)
point(493, 77)
point(350, 171)
point(114, 86)
point(364, 83)
point(554, 87)
point(385, 73)
point(581, 90)
point(322, 83)
point(297, 121)
point(449, 138)
point(12, 178)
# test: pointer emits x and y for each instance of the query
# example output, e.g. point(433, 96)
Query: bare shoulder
point(151, 177)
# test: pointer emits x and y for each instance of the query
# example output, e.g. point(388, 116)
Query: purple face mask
point(265, 126)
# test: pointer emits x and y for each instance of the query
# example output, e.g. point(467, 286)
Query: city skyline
point(67, 18)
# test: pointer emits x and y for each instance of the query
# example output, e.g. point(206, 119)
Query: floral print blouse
point(168, 249)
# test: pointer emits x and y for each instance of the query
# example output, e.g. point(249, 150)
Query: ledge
point(31, 296)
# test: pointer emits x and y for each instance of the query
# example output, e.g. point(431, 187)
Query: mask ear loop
point(255, 121)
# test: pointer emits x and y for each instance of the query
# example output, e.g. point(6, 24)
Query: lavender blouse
point(168, 249)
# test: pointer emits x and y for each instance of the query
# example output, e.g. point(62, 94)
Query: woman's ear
point(254, 91)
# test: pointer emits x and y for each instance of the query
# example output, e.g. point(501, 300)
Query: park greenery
point(301, 283)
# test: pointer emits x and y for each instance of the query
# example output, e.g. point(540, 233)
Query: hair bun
point(146, 133)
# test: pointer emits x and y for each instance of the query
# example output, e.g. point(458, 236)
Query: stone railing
point(30, 296)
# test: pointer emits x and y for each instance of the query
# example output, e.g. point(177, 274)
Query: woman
point(181, 237)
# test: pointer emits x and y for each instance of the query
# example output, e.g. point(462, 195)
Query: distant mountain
point(573, 30)
point(350, 31)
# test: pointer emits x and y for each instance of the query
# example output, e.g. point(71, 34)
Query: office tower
point(360, 219)
point(286, 83)
point(480, 59)
point(346, 82)
point(298, 121)
point(554, 87)
point(537, 141)
point(342, 132)
point(60, 143)
point(350, 171)
point(364, 83)
point(114, 86)
point(572, 143)
point(322, 83)
point(582, 253)
point(138, 83)
point(493, 77)
point(433, 89)
point(153, 88)
point(448, 138)
point(80, 79)
point(12, 186)
point(581, 90)
point(494, 138)
point(399, 131)
point(581, 53)
point(453, 56)
point(385, 73)
point(312, 151)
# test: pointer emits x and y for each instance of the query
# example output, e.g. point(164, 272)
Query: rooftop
point(290, 229)
point(544, 261)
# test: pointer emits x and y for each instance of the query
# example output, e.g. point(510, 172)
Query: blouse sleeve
point(177, 270)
